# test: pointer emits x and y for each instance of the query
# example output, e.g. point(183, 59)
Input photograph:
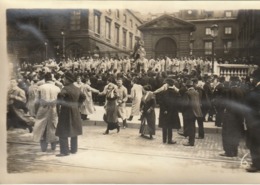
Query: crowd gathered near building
point(56, 96)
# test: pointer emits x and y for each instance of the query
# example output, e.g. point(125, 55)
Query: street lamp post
point(46, 50)
point(63, 43)
point(214, 34)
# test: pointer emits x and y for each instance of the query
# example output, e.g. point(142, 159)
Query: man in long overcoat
point(169, 117)
point(69, 124)
point(218, 101)
point(46, 114)
point(191, 111)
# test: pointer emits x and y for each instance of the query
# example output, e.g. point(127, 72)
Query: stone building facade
point(35, 35)
point(196, 41)
point(166, 36)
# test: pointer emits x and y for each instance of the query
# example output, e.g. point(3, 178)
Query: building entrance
point(166, 47)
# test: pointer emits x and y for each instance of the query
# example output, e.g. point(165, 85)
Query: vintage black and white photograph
point(128, 92)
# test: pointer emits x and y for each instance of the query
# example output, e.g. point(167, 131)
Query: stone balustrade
point(232, 70)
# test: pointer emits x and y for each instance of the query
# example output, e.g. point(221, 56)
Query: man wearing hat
point(69, 124)
point(165, 86)
point(218, 101)
point(253, 122)
point(191, 111)
point(169, 117)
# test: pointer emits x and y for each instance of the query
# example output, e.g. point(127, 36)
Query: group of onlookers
point(58, 98)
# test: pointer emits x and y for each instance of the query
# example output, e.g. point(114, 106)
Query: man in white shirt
point(46, 115)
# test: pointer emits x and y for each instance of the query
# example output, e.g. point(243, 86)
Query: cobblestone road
point(126, 157)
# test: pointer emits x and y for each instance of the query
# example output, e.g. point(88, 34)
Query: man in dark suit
point(206, 105)
point(191, 111)
point(218, 101)
point(199, 88)
point(169, 117)
point(253, 122)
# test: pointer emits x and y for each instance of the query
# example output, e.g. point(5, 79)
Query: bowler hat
point(69, 76)
point(189, 83)
point(169, 81)
point(48, 76)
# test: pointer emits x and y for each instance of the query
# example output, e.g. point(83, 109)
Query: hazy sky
point(141, 6)
point(170, 6)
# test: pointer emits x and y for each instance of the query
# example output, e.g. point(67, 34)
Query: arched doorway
point(74, 51)
point(165, 47)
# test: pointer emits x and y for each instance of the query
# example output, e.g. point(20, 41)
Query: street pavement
point(125, 157)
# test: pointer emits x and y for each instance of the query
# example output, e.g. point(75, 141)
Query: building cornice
point(186, 24)
point(213, 20)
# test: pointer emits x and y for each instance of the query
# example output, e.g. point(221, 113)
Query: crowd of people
point(58, 96)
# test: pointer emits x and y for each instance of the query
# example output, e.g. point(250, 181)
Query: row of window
point(117, 16)
point(228, 14)
point(75, 20)
point(76, 17)
point(108, 31)
point(117, 35)
point(227, 31)
point(208, 46)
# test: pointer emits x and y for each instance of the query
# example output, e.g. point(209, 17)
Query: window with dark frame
point(125, 18)
point(228, 30)
point(75, 20)
point(130, 41)
point(108, 28)
point(117, 13)
point(228, 14)
point(207, 31)
point(227, 46)
point(97, 22)
point(117, 33)
point(208, 47)
point(124, 38)
point(131, 23)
